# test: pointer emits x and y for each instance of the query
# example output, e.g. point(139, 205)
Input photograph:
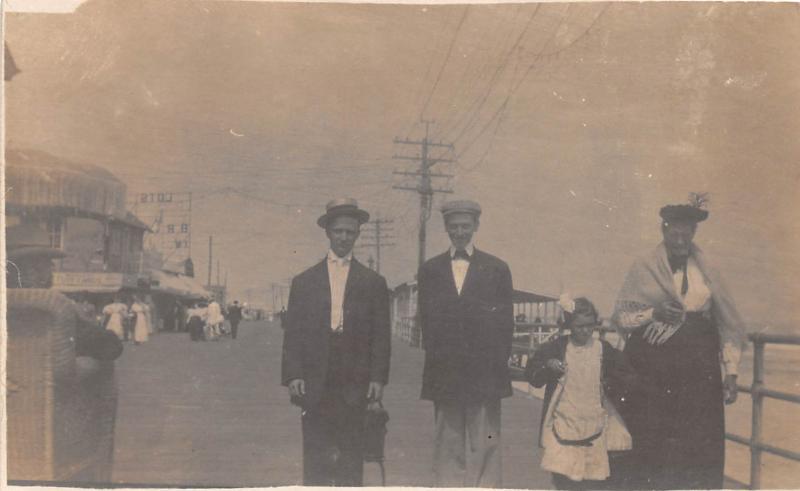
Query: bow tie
point(461, 254)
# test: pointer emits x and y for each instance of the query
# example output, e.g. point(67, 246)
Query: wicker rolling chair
point(61, 408)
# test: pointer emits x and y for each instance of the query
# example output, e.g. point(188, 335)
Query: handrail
point(758, 392)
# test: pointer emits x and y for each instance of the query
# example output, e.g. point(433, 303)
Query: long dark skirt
point(678, 428)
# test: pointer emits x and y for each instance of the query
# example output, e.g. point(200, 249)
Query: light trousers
point(467, 450)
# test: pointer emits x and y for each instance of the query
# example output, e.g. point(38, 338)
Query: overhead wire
point(530, 67)
point(444, 64)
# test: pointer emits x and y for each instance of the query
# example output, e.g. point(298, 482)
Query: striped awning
point(36, 179)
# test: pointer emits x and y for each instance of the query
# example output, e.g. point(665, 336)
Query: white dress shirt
point(338, 269)
point(460, 266)
point(698, 296)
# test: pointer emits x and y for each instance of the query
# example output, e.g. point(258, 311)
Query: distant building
point(82, 208)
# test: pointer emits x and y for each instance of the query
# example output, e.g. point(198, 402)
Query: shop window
point(55, 230)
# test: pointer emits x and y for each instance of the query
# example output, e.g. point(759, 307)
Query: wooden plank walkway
point(214, 414)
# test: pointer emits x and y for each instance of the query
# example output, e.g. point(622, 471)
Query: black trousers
point(234, 328)
point(333, 432)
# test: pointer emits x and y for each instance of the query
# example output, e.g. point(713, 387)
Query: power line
point(444, 64)
point(424, 186)
point(498, 113)
point(376, 235)
point(481, 101)
point(475, 106)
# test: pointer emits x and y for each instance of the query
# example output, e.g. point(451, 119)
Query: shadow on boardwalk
point(214, 413)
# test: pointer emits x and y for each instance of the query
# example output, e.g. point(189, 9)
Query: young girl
point(579, 424)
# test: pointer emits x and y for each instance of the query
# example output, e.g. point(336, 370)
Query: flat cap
point(340, 207)
point(461, 206)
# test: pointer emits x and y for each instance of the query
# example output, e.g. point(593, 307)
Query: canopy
point(38, 179)
point(176, 284)
point(196, 290)
point(520, 296)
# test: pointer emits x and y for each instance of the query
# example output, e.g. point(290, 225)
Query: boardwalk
point(214, 414)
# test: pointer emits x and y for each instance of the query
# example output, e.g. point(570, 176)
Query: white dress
point(141, 332)
point(215, 314)
point(116, 312)
point(577, 413)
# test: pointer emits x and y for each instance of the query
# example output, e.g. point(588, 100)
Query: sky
point(571, 124)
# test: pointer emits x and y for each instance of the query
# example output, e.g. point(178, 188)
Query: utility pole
point(378, 239)
point(210, 264)
point(424, 186)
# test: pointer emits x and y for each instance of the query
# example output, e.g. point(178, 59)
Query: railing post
point(758, 406)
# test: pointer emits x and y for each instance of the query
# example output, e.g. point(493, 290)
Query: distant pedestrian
point(467, 319)
point(141, 330)
point(196, 321)
point(234, 317)
point(282, 317)
point(151, 313)
point(214, 320)
point(116, 316)
point(336, 348)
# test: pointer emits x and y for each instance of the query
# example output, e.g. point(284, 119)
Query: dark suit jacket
point(467, 338)
point(235, 313)
point(366, 332)
point(617, 375)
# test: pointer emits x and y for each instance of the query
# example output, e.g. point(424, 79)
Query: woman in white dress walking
point(141, 331)
point(115, 314)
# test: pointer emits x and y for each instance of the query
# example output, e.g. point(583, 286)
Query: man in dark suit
point(235, 317)
point(336, 349)
point(467, 320)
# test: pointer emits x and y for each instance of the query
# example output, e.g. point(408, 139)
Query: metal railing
point(406, 329)
point(537, 334)
point(758, 392)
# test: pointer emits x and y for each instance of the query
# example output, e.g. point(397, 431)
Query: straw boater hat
point(694, 211)
point(28, 240)
point(342, 207)
point(461, 206)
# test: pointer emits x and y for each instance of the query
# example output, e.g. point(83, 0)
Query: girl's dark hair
point(583, 306)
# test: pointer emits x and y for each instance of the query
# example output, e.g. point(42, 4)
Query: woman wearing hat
point(681, 322)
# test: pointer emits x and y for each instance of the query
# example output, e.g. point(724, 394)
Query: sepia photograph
point(500, 245)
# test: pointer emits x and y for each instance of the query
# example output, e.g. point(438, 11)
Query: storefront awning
point(176, 284)
point(36, 179)
point(197, 290)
